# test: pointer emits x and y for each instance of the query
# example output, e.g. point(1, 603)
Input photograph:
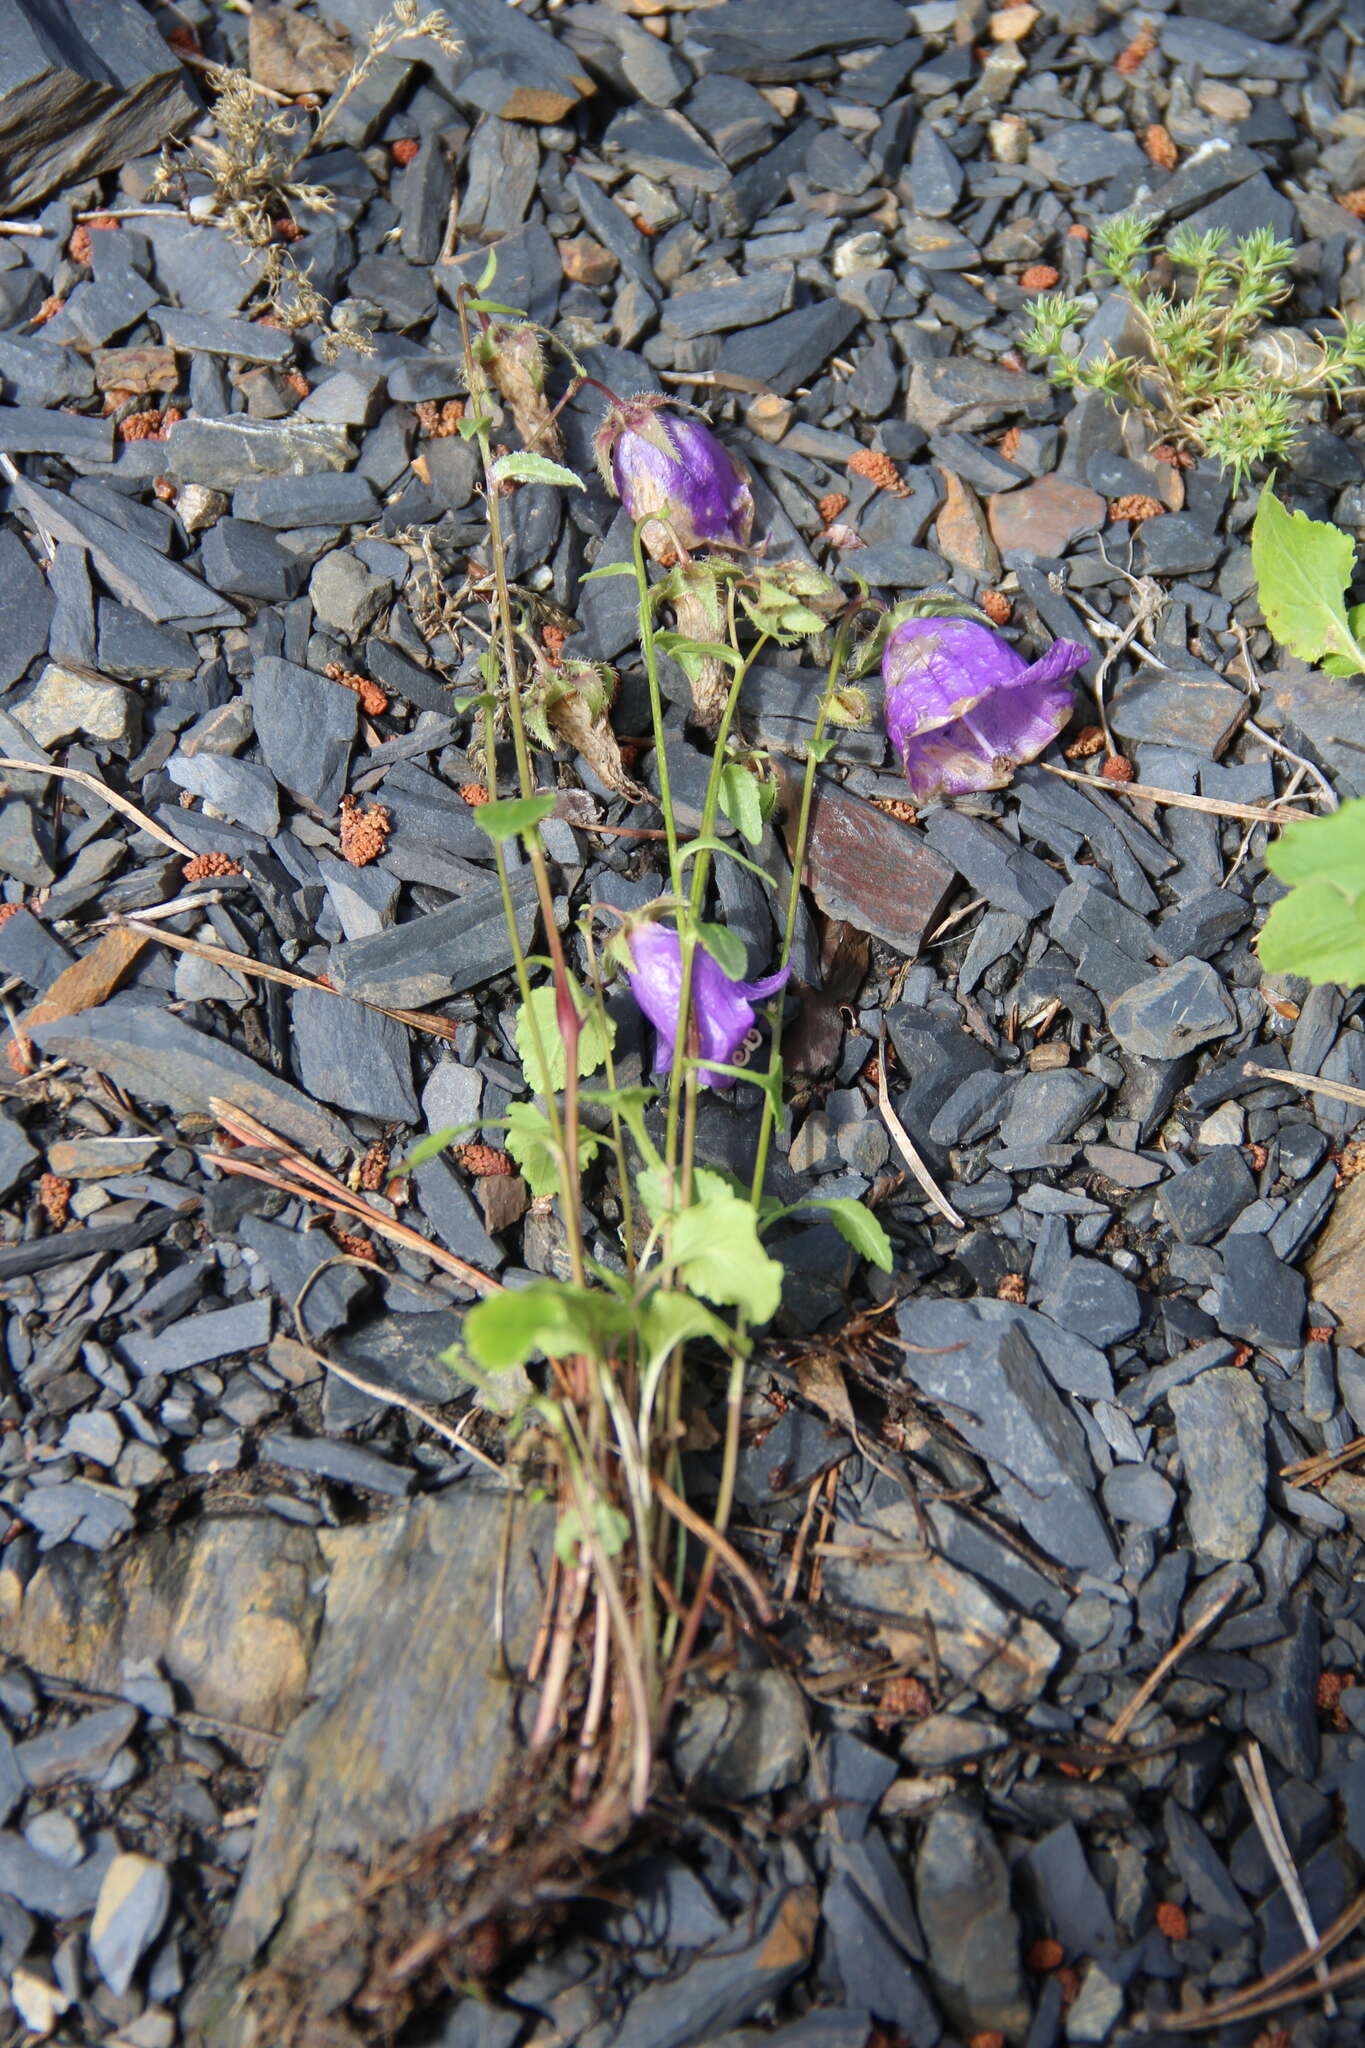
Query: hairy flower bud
point(672, 472)
point(723, 1009)
point(963, 710)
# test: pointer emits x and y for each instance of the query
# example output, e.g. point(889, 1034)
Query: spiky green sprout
point(1209, 379)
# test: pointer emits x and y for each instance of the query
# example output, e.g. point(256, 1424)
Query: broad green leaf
point(512, 816)
point(596, 1034)
point(726, 949)
point(1303, 568)
point(522, 468)
point(741, 802)
point(608, 569)
point(530, 1141)
point(1317, 932)
point(549, 1316)
point(1347, 664)
point(1330, 848)
point(857, 1226)
point(716, 1251)
point(669, 1318)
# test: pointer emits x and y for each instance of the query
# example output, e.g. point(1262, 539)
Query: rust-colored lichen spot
point(54, 1198)
point(373, 701)
point(1117, 768)
point(207, 867)
point(1135, 508)
point(878, 469)
point(1131, 58)
point(364, 832)
point(439, 418)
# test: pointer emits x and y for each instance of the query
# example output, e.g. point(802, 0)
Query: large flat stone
point(408, 1725)
point(873, 871)
point(159, 1058)
point(83, 88)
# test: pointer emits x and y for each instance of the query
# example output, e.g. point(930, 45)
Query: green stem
point(656, 705)
point(765, 1122)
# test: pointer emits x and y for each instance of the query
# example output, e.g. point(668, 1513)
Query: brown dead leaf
point(820, 1382)
point(594, 739)
point(89, 981)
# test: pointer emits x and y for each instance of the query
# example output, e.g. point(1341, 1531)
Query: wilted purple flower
point(964, 710)
point(671, 471)
point(724, 1009)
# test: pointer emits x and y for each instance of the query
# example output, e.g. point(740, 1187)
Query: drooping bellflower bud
point(673, 473)
point(723, 1009)
point(963, 710)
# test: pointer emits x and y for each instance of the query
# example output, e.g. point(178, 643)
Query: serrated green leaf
point(530, 1140)
point(717, 1254)
point(857, 1226)
point(741, 802)
point(726, 949)
point(597, 1032)
point(549, 1316)
point(522, 468)
point(1317, 932)
point(512, 816)
point(1330, 848)
point(1303, 568)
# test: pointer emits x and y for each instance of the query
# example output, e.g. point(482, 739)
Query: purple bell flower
point(963, 710)
point(672, 472)
point(724, 1009)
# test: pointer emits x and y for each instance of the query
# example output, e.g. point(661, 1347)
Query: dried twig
point(900, 1137)
point(1312, 1471)
point(300, 1176)
point(1213, 806)
point(106, 795)
point(1276, 1989)
point(1340, 1091)
point(241, 963)
point(1251, 1770)
point(1118, 1728)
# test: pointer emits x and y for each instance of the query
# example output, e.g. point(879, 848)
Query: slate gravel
point(1082, 1419)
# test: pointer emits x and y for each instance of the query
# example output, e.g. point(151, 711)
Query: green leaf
point(717, 1254)
point(1303, 567)
point(508, 1329)
point(597, 1033)
point(534, 469)
point(473, 423)
point(821, 749)
point(434, 1142)
point(857, 1226)
point(700, 845)
point(741, 802)
point(608, 569)
point(530, 1140)
point(512, 816)
point(1317, 932)
point(492, 306)
point(609, 1525)
point(1346, 664)
point(690, 654)
point(669, 1318)
point(1330, 848)
point(489, 271)
point(726, 949)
